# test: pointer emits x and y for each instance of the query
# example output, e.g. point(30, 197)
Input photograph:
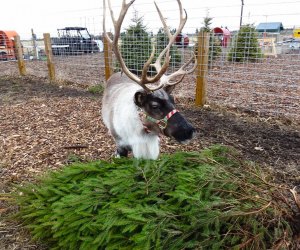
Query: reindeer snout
point(185, 134)
point(180, 129)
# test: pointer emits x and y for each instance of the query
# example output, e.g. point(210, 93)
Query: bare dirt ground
point(268, 88)
point(44, 126)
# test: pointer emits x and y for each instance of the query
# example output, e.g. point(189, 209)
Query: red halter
point(162, 123)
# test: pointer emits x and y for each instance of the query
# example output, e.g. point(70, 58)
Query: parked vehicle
point(100, 45)
point(182, 40)
point(73, 41)
point(290, 45)
point(7, 45)
point(294, 45)
point(287, 41)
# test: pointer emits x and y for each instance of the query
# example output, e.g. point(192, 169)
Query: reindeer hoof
point(116, 155)
point(121, 152)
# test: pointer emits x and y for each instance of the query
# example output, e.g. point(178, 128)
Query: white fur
point(121, 117)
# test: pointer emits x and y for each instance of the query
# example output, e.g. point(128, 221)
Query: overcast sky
point(47, 16)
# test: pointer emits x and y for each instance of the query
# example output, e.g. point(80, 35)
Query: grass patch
point(96, 89)
point(207, 200)
point(73, 158)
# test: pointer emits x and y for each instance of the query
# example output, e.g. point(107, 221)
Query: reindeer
point(137, 110)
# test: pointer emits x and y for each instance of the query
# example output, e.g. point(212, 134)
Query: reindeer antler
point(160, 69)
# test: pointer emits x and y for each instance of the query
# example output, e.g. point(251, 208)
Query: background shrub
point(245, 45)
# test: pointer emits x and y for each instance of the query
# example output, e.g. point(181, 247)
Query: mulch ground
point(44, 126)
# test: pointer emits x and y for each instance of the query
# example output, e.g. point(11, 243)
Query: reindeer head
point(161, 116)
point(155, 100)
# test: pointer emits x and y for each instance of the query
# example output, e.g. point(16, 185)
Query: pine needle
point(207, 200)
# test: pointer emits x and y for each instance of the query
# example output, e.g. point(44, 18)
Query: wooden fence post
point(19, 51)
point(202, 68)
point(107, 57)
point(34, 45)
point(48, 50)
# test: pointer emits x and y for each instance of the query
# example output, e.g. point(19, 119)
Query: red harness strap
point(162, 123)
point(171, 113)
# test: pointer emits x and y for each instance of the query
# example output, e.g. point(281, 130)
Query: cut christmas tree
point(206, 200)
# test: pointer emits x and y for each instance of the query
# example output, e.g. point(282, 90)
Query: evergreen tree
point(136, 45)
point(207, 22)
point(246, 47)
point(214, 43)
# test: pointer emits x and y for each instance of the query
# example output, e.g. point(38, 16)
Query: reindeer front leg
point(122, 150)
point(147, 148)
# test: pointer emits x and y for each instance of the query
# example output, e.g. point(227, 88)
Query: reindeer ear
point(169, 88)
point(139, 98)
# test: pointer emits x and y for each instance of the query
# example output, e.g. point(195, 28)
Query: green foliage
point(206, 200)
point(96, 89)
point(136, 45)
point(73, 158)
point(245, 45)
point(215, 48)
point(207, 22)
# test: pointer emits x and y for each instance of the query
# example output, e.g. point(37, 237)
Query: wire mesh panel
point(249, 69)
point(256, 74)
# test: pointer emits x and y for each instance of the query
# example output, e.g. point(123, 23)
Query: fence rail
point(261, 76)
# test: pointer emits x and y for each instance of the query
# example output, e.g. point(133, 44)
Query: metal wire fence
point(257, 72)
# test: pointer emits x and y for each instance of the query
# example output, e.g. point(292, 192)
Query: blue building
point(272, 27)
